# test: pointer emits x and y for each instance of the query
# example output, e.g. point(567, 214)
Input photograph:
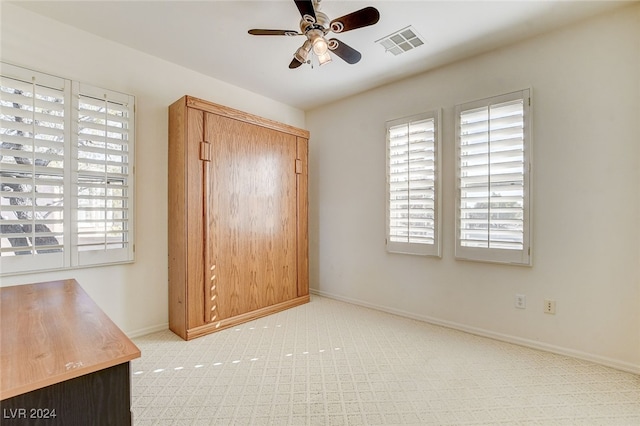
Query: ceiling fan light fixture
point(303, 52)
point(320, 45)
point(324, 58)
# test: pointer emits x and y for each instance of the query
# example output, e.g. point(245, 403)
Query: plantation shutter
point(493, 178)
point(104, 181)
point(34, 107)
point(412, 194)
point(66, 173)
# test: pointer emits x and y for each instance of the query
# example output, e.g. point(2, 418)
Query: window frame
point(521, 256)
point(71, 257)
point(414, 248)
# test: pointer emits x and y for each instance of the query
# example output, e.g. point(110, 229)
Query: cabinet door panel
point(303, 214)
point(252, 211)
point(195, 273)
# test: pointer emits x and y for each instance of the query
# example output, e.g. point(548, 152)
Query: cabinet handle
point(205, 151)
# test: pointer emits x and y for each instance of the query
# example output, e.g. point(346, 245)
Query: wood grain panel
point(253, 215)
point(177, 226)
point(238, 245)
point(52, 332)
point(303, 216)
point(249, 316)
point(195, 224)
point(244, 116)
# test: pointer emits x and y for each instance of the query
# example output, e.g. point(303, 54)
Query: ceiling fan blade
point(260, 32)
point(344, 51)
point(358, 19)
point(306, 8)
point(294, 63)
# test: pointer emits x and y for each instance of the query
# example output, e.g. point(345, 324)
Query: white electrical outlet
point(521, 301)
point(549, 306)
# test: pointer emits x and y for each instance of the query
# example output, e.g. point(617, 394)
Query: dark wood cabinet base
point(99, 398)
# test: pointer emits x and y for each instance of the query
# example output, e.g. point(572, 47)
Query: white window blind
point(103, 173)
point(413, 185)
point(32, 168)
point(493, 179)
point(53, 179)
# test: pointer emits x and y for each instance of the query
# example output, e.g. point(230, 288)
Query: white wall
point(135, 295)
point(586, 212)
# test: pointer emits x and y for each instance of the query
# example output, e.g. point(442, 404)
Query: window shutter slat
point(32, 166)
point(104, 173)
point(411, 185)
point(495, 124)
point(492, 180)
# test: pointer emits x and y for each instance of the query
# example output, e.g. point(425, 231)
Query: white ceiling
point(211, 37)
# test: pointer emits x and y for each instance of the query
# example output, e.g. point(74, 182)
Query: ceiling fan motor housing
point(308, 23)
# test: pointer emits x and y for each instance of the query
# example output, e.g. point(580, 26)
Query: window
point(413, 185)
point(493, 179)
point(66, 173)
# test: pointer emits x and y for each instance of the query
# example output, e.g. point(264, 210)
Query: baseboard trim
point(609, 362)
point(147, 330)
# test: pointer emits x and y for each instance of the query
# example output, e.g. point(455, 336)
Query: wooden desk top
point(52, 332)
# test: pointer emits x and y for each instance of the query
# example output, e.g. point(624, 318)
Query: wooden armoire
point(238, 233)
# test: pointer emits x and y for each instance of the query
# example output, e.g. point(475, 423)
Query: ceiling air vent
point(401, 41)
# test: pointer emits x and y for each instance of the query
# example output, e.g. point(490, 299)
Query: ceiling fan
point(315, 25)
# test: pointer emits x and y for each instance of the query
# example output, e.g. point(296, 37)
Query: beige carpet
point(332, 363)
